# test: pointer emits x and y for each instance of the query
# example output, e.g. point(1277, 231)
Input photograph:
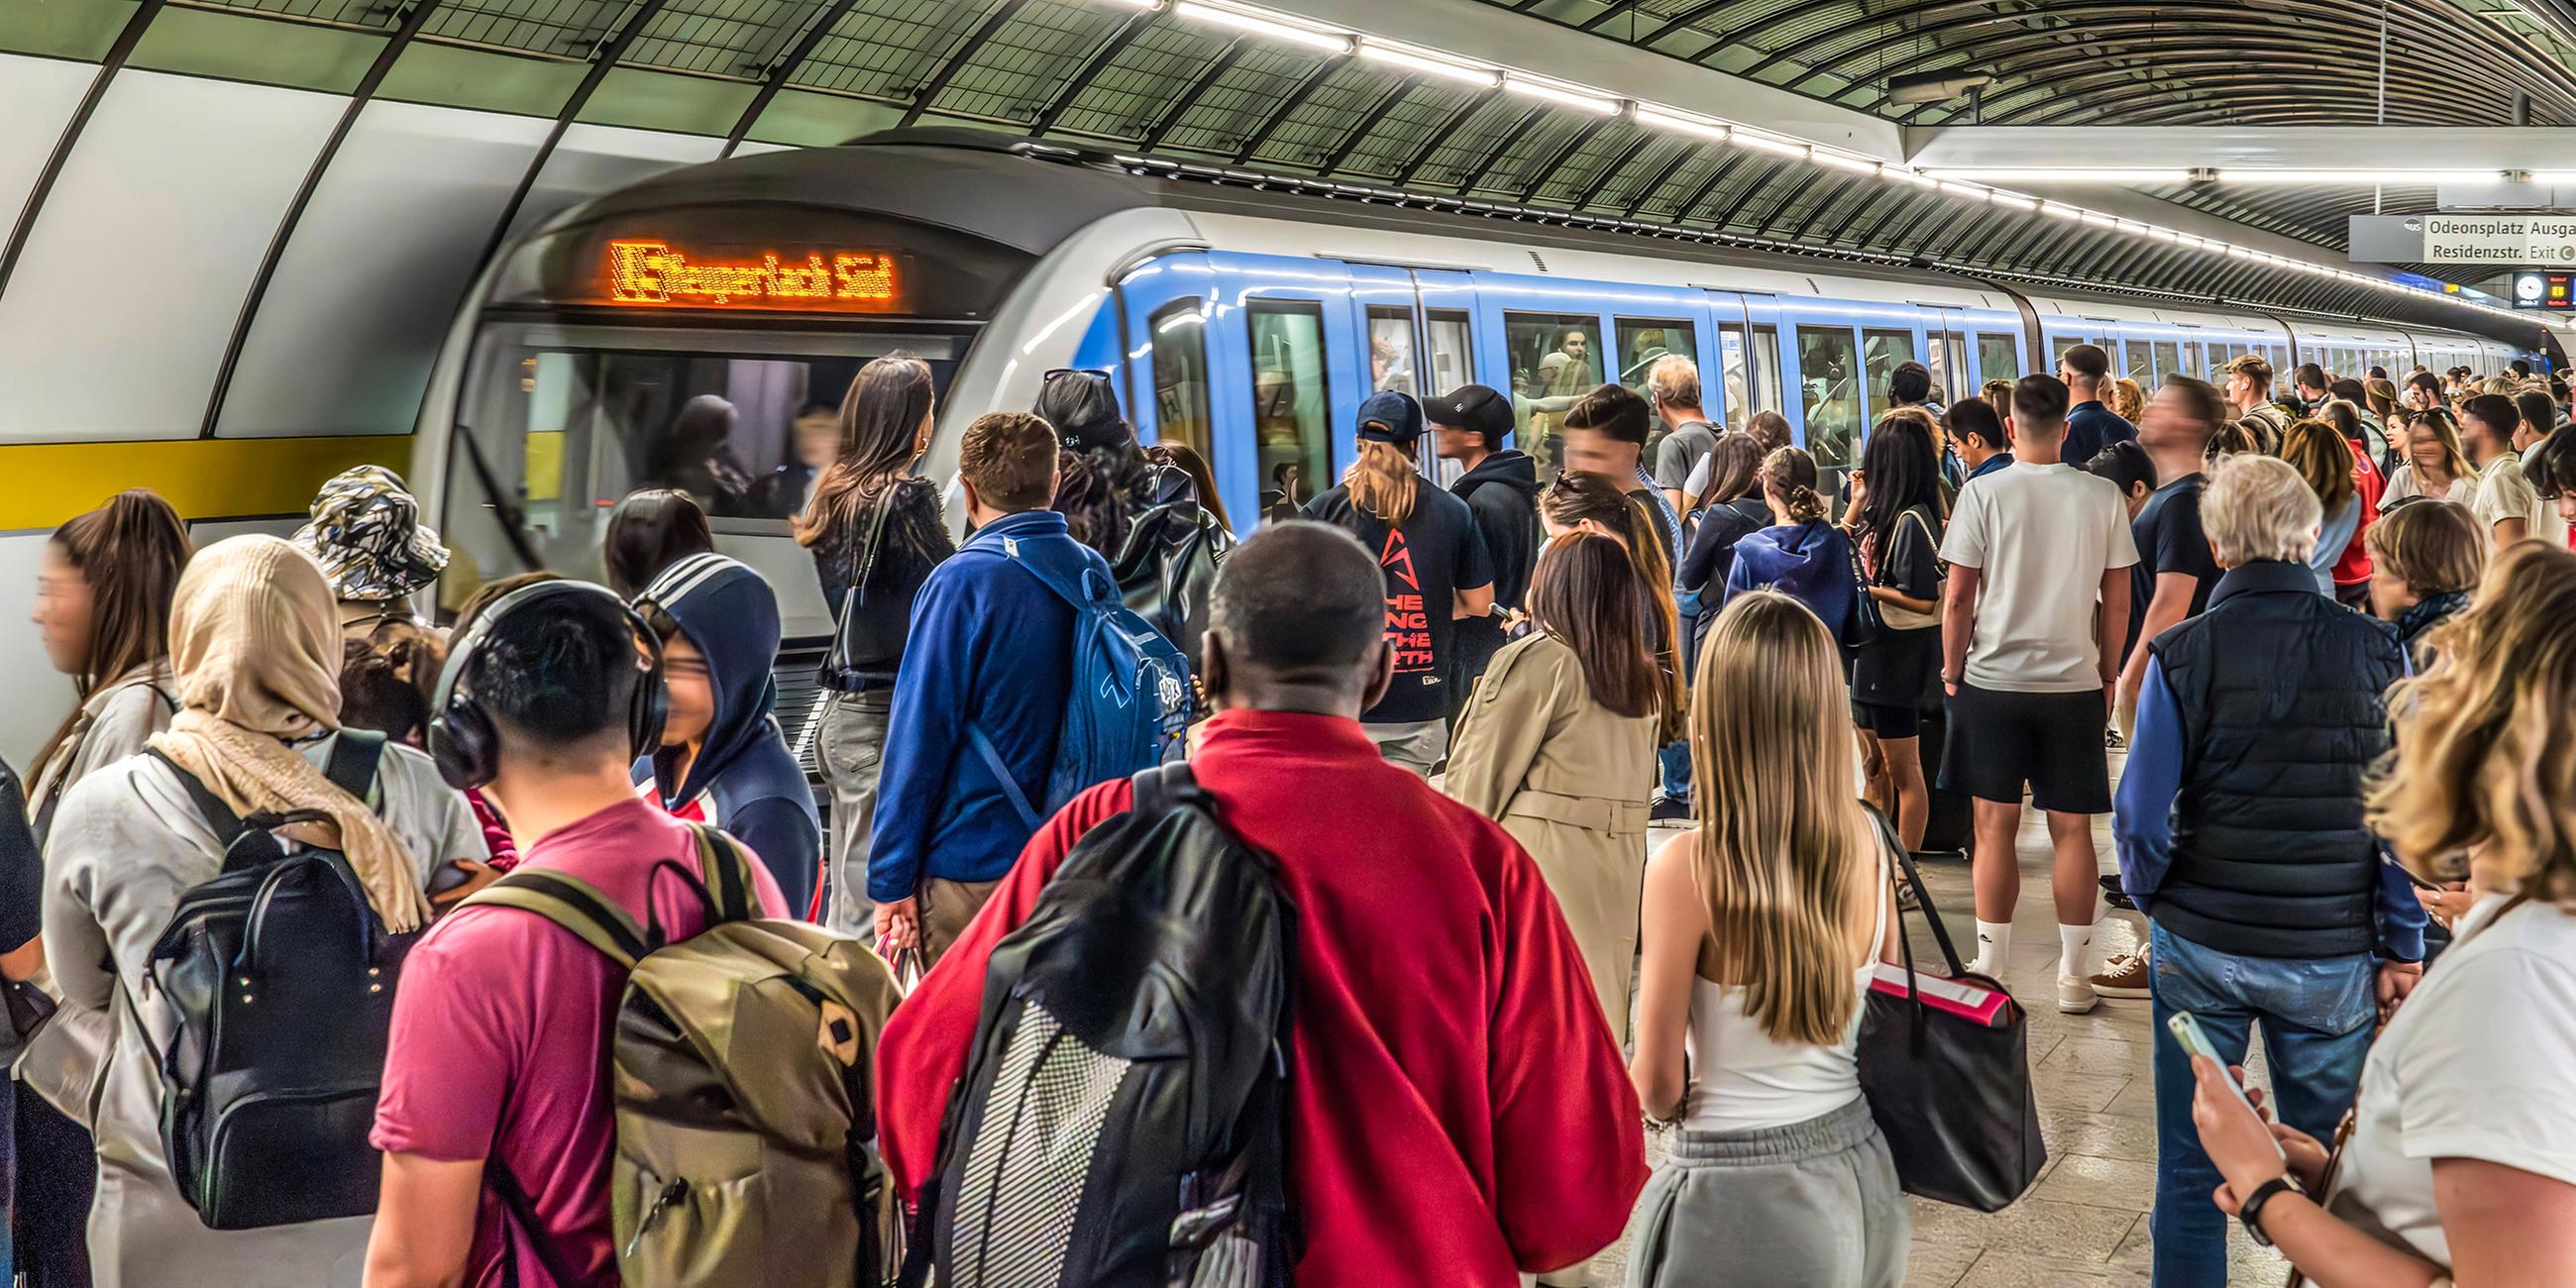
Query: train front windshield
point(557, 422)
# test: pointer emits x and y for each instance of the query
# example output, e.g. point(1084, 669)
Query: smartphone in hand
point(2186, 1030)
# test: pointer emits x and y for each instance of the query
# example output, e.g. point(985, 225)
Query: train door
point(1745, 342)
point(1945, 354)
point(1387, 309)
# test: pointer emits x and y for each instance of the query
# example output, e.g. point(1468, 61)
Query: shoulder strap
point(523, 1213)
point(1160, 788)
point(1001, 769)
point(573, 904)
point(727, 872)
point(227, 825)
point(355, 754)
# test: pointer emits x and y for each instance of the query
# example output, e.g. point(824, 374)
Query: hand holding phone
point(2186, 1030)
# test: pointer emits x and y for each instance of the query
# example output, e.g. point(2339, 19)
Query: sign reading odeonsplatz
point(2481, 237)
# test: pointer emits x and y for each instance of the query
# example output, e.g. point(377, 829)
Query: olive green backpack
point(743, 1066)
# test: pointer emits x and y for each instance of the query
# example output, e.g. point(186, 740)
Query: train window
point(1882, 352)
point(2168, 360)
point(1181, 377)
point(1453, 350)
point(1555, 360)
point(1766, 370)
point(2191, 363)
point(1641, 346)
point(1829, 372)
point(1390, 341)
point(2057, 347)
point(1291, 417)
point(2142, 366)
point(1998, 358)
point(1734, 376)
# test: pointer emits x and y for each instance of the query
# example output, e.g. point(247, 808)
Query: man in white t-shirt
point(2039, 557)
point(2507, 506)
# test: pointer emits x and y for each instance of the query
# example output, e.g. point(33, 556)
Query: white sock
point(2071, 943)
point(1994, 946)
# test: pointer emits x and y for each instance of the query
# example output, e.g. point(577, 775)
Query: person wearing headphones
point(495, 1095)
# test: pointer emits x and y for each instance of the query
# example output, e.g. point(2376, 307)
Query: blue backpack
point(1130, 699)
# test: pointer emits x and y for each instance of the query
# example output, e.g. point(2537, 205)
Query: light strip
point(1378, 52)
point(1955, 181)
point(1663, 120)
point(1561, 95)
point(1258, 25)
point(1987, 174)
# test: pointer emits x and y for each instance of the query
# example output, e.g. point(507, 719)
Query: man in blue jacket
point(2241, 835)
point(981, 693)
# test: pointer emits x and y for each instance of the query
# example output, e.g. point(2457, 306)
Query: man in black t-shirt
point(1500, 486)
point(2175, 571)
point(1437, 571)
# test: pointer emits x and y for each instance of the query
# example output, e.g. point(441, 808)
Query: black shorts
point(1883, 721)
point(2052, 741)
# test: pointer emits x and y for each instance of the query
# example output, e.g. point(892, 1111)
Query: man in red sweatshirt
point(1459, 1113)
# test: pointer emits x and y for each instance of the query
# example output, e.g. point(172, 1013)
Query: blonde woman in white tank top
point(1761, 928)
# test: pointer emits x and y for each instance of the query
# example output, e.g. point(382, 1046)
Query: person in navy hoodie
point(1801, 555)
point(723, 760)
point(981, 693)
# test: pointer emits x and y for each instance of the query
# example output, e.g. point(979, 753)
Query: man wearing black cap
point(1436, 570)
point(1500, 487)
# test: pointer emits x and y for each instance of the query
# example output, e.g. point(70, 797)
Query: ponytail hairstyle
point(1587, 593)
point(1384, 482)
point(130, 551)
point(1790, 474)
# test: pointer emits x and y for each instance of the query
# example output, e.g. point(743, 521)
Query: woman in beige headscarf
point(255, 650)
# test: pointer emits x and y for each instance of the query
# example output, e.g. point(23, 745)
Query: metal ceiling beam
point(1681, 164)
point(1296, 98)
point(1360, 132)
point(1092, 67)
point(1430, 146)
point(2188, 147)
point(1546, 170)
point(1602, 179)
point(785, 66)
point(957, 61)
point(1180, 107)
point(603, 58)
point(109, 65)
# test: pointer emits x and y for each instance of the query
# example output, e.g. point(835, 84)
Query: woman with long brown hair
point(2436, 463)
point(2456, 1164)
point(2326, 462)
point(1437, 571)
point(1762, 926)
point(876, 532)
point(1595, 503)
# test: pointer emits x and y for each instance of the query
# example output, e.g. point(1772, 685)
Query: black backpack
point(282, 979)
point(1122, 1119)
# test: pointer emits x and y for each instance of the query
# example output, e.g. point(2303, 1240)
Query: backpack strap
point(1029, 816)
point(523, 1213)
point(726, 870)
point(355, 754)
point(1160, 788)
point(226, 825)
point(572, 903)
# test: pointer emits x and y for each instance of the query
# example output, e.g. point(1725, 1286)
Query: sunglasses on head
point(1060, 372)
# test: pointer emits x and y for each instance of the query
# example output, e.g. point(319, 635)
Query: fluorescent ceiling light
point(1562, 96)
point(2010, 201)
point(1664, 120)
point(2553, 176)
point(2361, 177)
point(1965, 189)
point(2061, 212)
point(1781, 146)
point(2163, 234)
point(1257, 25)
point(2007, 174)
point(2098, 219)
point(1427, 64)
point(1915, 177)
point(1857, 165)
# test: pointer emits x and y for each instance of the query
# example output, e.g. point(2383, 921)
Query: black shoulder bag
point(875, 647)
point(1951, 1093)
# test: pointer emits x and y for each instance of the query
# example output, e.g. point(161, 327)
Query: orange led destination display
point(653, 273)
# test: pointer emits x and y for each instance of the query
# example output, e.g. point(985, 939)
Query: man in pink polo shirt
point(495, 1078)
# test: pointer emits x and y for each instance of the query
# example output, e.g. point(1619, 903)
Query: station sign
point(2493, 238)
point(2552, 292)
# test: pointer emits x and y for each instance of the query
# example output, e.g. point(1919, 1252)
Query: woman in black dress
point(1899, 534)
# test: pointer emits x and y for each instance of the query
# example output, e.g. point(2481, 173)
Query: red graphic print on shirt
point(1408, 623)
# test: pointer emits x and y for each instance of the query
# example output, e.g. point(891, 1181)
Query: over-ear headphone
point(462, 739)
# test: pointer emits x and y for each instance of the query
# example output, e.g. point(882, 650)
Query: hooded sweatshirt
point(744, 779)
point(1502, 492)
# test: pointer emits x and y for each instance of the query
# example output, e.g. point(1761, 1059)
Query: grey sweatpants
point(1810, 1205)
point(847, 749)
point(1417, 746)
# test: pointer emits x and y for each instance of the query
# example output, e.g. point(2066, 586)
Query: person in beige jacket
point(1558, 745)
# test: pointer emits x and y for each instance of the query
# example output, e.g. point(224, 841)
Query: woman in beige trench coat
point(1558, 745)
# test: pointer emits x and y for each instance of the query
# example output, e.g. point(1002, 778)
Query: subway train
point(1246, 322)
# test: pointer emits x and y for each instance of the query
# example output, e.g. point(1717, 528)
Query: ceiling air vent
point(1542, 264)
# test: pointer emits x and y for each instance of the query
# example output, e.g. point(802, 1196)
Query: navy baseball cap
point(1390, 417)
point(1481, 408)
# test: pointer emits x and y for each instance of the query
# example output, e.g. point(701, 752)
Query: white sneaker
point(2075, 994)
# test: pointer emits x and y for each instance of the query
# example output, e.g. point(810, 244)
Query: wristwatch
point(2250, 1212)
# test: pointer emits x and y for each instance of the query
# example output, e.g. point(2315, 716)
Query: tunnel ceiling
point(1110, 75)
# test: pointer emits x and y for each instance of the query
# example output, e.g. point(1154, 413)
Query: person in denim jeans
point(2241, 836)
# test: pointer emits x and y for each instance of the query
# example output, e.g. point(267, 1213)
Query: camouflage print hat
point(366, 534)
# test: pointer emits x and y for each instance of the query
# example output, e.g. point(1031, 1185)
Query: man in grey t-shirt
point(1672, 384)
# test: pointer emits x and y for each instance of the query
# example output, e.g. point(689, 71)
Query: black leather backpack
point(1123, 1116)
point(282, 979)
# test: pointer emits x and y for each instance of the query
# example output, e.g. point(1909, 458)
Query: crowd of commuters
point(2332, 632)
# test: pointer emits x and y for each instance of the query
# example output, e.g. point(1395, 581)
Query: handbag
point(1899, 618)
point(1946, 1069)
point(1861, 623)
point(837, 671)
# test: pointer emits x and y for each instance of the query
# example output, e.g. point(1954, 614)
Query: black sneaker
point(1667, 809)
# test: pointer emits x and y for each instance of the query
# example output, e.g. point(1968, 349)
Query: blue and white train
point(1248, 323)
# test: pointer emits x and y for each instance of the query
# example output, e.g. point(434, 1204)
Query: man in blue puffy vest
point(2241, 836)
point(982, 691)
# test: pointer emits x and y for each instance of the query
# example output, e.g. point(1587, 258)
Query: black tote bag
point(1949, 1082)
